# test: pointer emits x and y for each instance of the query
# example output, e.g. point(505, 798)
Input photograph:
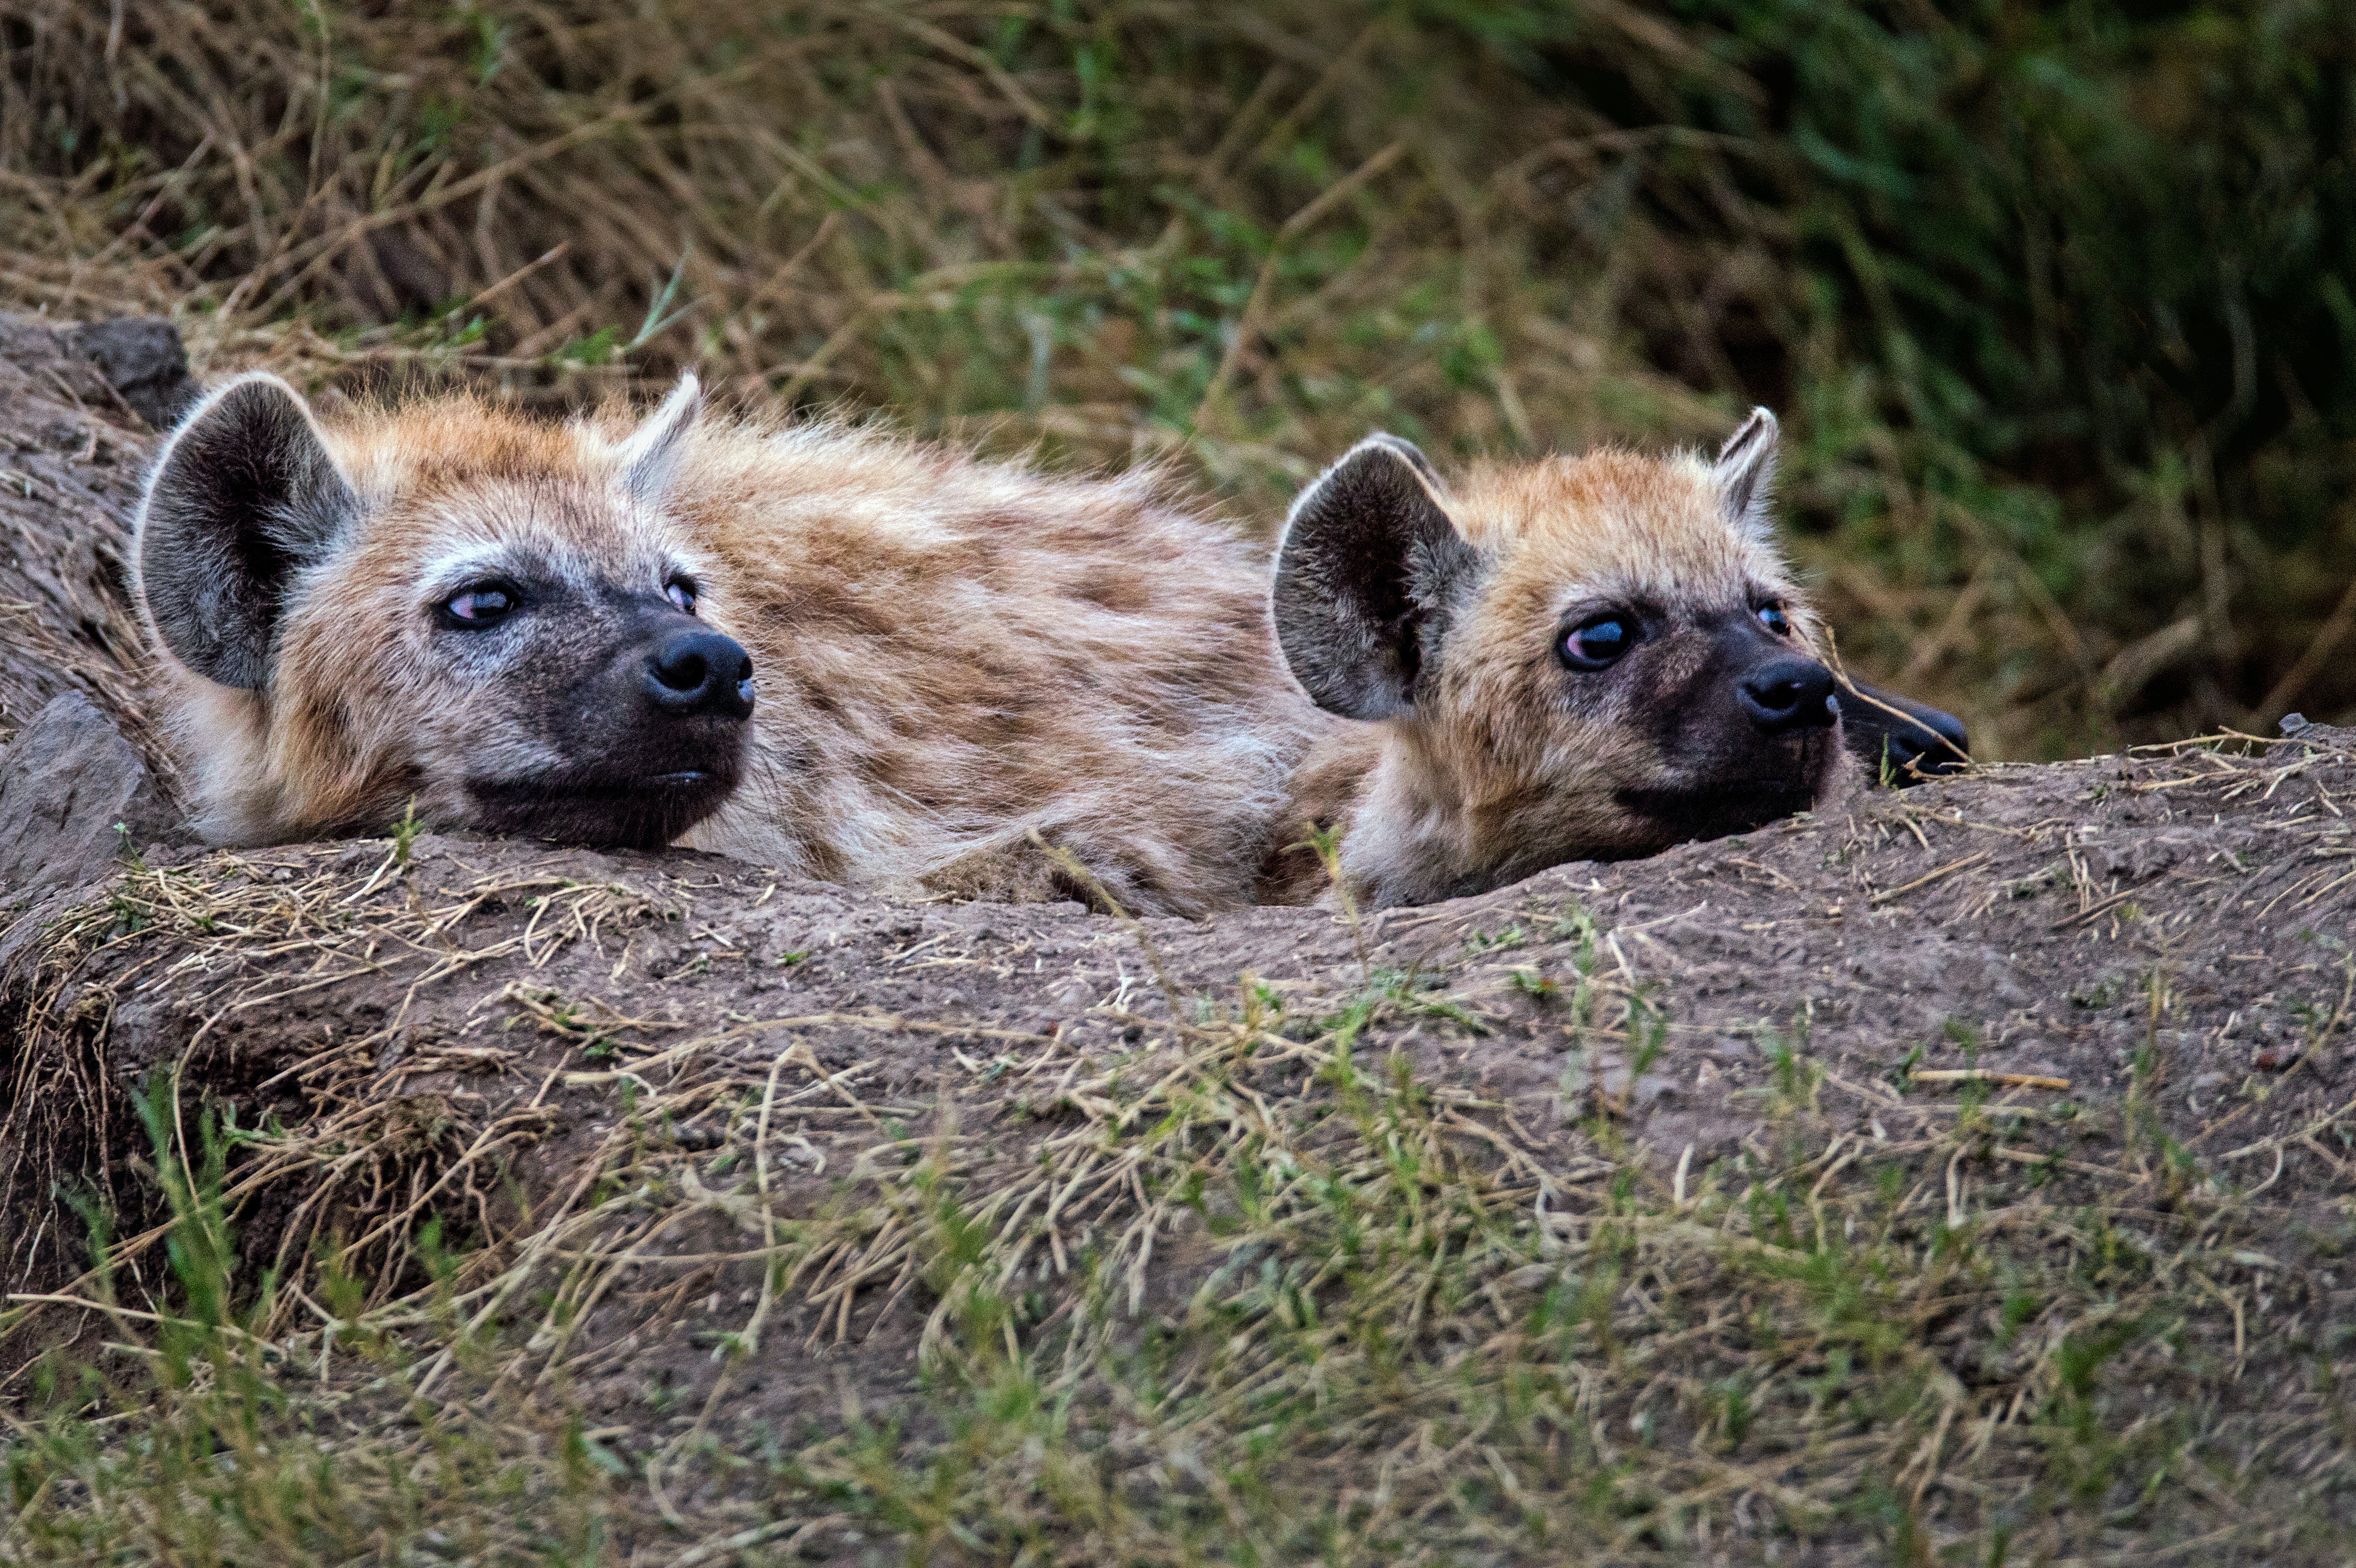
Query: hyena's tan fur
point(964, 652)
point(1468, 754)
point(949, 654)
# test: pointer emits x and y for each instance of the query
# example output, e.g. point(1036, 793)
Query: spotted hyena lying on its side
point(881, 663)
point(1580, 658)
point(853, 657)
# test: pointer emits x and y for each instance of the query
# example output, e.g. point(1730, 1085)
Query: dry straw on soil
point(1576, 1223)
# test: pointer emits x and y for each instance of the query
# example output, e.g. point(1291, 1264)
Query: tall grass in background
point(2057, 299)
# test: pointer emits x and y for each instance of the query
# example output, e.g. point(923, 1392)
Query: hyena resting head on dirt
point(1580, 658)
point(550, 630)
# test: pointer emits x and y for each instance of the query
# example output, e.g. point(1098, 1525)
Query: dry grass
point(264, 939)
point(850, 203)
point(1247, 235)
point(1254, 1286)
point(1413, 1342)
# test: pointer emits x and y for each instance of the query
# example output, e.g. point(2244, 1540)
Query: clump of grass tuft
point(190, 1435)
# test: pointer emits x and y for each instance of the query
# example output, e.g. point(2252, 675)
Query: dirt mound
point(2032, 930)
point(653, 1105)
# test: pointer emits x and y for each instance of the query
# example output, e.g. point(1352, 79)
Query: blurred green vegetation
point(2057, 300)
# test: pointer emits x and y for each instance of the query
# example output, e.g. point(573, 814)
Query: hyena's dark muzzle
point(652, 743)
point(1751, 737)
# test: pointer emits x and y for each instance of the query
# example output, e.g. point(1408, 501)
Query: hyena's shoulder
point(850, 497)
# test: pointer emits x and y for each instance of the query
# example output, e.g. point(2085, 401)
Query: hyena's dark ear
point(1745, 473)
point(1407, 451)
point(244, 494)
point(650, 456)
point(1363, 577)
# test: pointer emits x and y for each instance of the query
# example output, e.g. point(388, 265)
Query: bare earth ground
point(1964, 1177)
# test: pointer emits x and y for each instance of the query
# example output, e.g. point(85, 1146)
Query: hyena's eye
point(478, 607)
point(1599, 639)
point(681, 593)
point(1772, 618)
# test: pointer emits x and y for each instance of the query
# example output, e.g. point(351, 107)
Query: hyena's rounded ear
point(244, 494)
point(1745, 473)
point(1369, 564)
point(1406, 451)
point(650, 456)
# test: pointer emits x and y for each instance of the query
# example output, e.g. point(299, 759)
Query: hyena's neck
point(1407, 830)
point(1412, 837)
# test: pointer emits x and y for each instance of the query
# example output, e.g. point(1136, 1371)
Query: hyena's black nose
point(1787, 693)
point(701, 672)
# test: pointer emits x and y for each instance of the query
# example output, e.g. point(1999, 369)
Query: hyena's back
point(955, 654)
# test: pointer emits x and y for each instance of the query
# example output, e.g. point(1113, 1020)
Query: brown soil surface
point(494, 1009)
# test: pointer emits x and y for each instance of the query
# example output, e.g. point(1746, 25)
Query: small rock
point(2330, 737)
point(66, 782)
point(142, 359)
point(1653, 1086)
